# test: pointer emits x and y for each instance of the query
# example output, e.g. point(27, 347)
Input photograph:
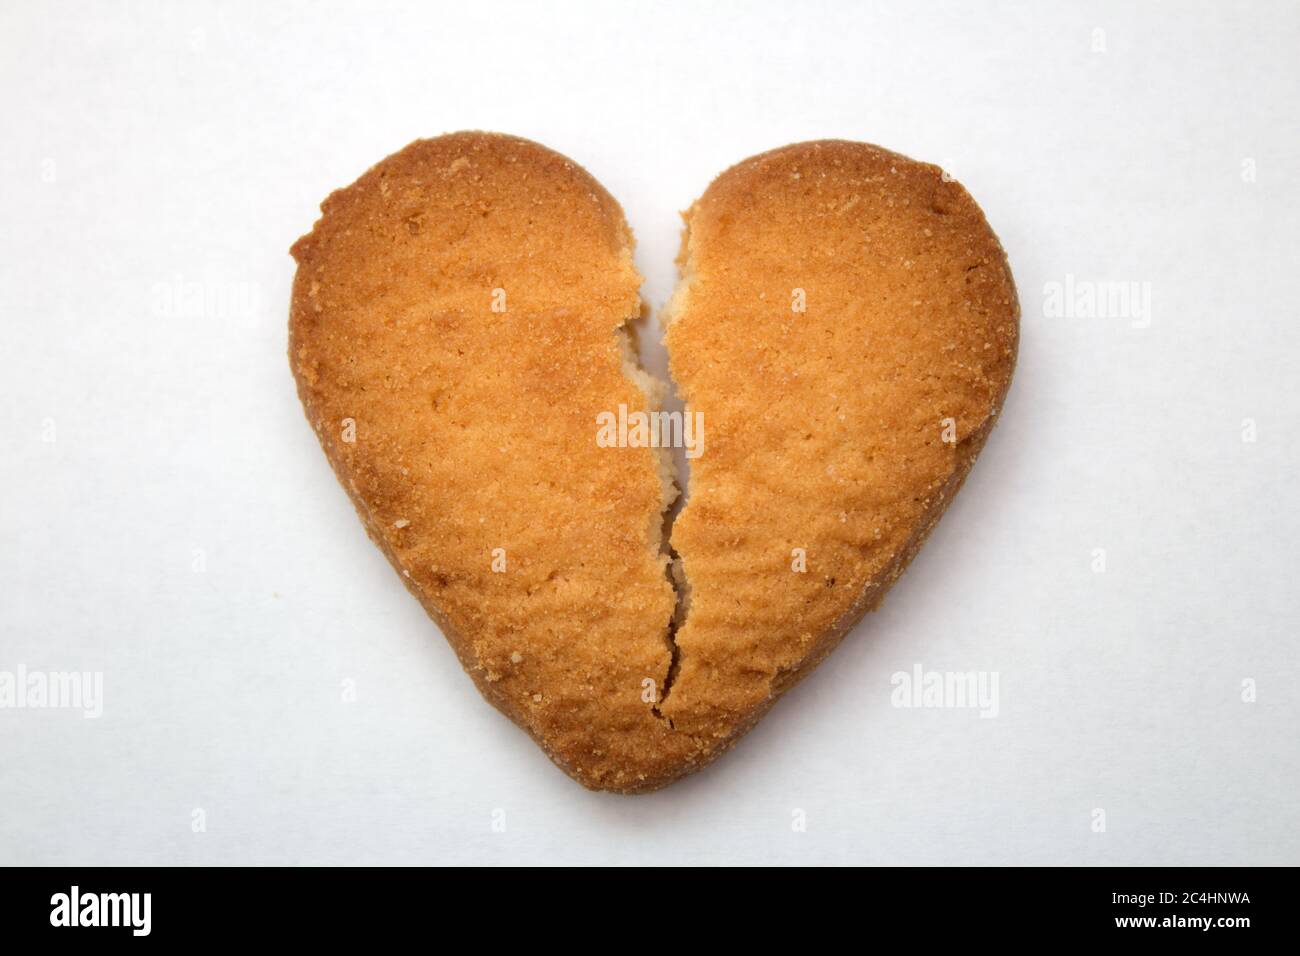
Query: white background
point(151, 146)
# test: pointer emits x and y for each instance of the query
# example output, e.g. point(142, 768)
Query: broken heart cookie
point(845, 326)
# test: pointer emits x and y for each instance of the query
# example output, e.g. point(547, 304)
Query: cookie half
point(847, 325)
point(458, 323)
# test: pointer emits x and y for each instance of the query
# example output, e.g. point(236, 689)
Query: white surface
point(155, 144)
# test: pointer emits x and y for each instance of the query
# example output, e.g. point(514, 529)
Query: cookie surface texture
point(848, 325)
point(459, 323)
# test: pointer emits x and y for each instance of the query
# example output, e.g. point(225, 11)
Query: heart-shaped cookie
point(843, 334)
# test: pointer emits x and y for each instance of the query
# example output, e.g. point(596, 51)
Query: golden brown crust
point(825, 427)
point(474, 430)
